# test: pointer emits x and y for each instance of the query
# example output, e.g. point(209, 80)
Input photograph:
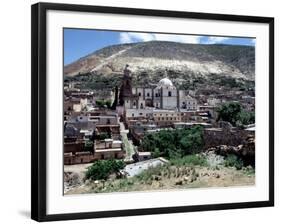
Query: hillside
point(158, 56)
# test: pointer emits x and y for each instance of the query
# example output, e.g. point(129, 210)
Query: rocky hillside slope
point(178, 59)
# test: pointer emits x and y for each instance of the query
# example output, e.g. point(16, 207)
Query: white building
point(164, 96)
point(186, 101)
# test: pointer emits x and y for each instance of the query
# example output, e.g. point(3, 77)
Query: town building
point(164, 96)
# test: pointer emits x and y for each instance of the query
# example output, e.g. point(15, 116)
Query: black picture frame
point(39, 123)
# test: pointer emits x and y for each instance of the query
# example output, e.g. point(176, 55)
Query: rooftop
point(165, 82)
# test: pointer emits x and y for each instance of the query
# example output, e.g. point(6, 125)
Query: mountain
point(179, 60)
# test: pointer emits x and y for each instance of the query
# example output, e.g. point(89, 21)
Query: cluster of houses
point(93, 132)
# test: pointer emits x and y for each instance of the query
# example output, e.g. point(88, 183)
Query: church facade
point(164, 96)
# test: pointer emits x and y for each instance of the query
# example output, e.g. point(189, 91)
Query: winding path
point(129, 147)
point(108, 59)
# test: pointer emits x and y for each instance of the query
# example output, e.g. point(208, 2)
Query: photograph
point(151, 112)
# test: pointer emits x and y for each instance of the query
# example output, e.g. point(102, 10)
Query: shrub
point(148, 174)
point(245, 118)
point(233, 161)
point(103, 103)
point(190, 160)
point(102, 136)
point(88, 146)
point(249, 170)
point(101, 169)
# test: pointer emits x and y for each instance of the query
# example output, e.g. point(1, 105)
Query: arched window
point(169, 93)
point(139, 93)
point(148, 95)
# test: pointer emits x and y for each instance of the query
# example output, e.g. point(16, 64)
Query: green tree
point(101, 169)
point(174, 143)
point(234, 113)
point(229, 112)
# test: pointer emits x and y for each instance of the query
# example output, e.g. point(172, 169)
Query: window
point(134, 103)
point(139, 93)
point(148, 95)
point(169, 93)
point(108, 121)
point(133, 114)
point(141, 106)
point(140, 114)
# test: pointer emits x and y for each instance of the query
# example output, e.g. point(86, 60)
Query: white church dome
point(165, 82)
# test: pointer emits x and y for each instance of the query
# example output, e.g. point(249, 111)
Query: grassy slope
point(188, 172)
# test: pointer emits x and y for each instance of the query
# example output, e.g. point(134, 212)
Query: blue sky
point(80, 42)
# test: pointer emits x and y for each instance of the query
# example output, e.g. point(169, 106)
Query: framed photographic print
point(138, 111)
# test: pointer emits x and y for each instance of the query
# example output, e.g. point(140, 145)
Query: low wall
point(217, 136)
point(73, 147)
point(88, 157)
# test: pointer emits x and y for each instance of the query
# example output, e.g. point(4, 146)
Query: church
point(164, 96)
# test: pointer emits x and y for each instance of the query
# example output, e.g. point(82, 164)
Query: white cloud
point(215, 40)
point(135, 37)
point(124, 38)
point(130, 37)
point(178, 38)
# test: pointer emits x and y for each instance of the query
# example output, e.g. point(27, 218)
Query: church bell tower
point(126, 87)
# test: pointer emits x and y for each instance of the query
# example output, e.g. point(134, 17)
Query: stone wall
point(88, 157)
point(220, 136)
point(73, 147)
